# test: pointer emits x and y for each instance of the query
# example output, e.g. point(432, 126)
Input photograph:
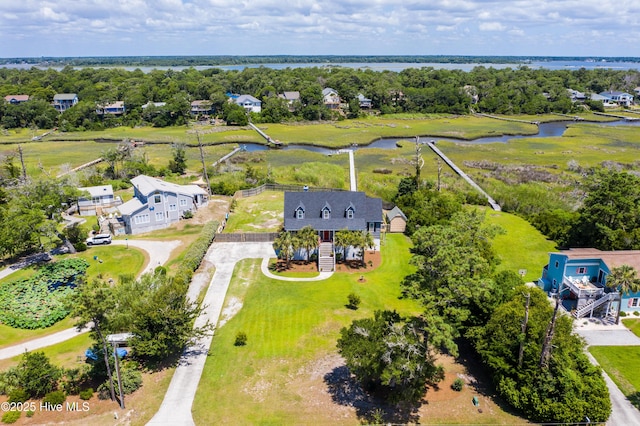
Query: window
point(141, 218)
point(157, 199)
point(634, 302)
point(349, 214)
point(173, 207)
point(299, 214)
point(159, 216)
point(582, 270)
point(557, 264)
point(95, 200)
point(326, 214)
point(183, 202)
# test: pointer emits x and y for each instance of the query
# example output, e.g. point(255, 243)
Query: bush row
point(196, 252)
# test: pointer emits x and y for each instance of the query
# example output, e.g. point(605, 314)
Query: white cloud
point(290, 26)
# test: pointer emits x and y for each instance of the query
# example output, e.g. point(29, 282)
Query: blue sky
point(310, 27)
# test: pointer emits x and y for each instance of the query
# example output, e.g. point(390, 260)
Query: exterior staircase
point(595, 304)
point(326, 257)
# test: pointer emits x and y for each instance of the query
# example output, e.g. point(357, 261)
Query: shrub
point(11, 417)
point(80, 246)
point(37, 374)
point(187, 214)
point(623, 314)
point(86, 394)
point(55, 398)
point(353, 301)
point(457, 384)
point(636, 313)
point(9, 380)
point(131, 381)
point(241, 339)
point(18, 395)
point(30, 413)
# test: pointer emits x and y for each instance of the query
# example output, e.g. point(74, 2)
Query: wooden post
point(204, 166)
point(546, 346)
point(524, 330)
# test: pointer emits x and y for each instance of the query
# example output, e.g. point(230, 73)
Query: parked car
point(99, 239)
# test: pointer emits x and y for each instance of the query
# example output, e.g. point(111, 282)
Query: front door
point(325, 236)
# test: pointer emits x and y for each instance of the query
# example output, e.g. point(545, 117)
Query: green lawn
point(622, 364)
point(632, 324)
point(289, 325)
point(522, 246)
point(11, 336)
point(68, 354)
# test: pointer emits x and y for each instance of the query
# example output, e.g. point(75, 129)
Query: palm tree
point(364, 242)
point(284, 244)
point(308, 239)
point(624, 279)
point(342, 239)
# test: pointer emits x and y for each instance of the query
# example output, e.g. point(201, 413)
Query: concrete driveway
point(176, 406)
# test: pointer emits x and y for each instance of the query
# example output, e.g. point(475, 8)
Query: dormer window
point(349, 214)
point(299, 214)
point(326, 214)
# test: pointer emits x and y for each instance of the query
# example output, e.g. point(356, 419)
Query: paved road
point(176, 406)
point(158, 251)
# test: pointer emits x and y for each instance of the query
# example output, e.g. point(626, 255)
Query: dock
point(270, 141)
point(572, 117)
point(622, 117)
point(229, 155)
point(494, 205)
point(515, 120)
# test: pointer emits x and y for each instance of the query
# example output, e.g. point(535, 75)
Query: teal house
point(579, 278)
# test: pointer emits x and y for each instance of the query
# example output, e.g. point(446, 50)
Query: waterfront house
point(579, 277)
point(16, 99)
point(619, 98)
point(116, 108)
point(249, 103)
point(64, 101)
point(330, 98)
point(157, 204)
point(364, 102)
point(291, 98)
point(201, 107)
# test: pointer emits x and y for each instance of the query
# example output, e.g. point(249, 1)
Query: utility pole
point(24, 169)
point(418, 160)
point(546, 346)
point(524, 330)
point(439, 172)
point(204, 166)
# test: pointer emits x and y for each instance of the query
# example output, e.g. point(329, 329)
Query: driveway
point(158, 253)
point(176, 406)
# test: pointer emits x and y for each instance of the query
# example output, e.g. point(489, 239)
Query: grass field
point(260, 213)
point(622, 364)
point(632, 324)
point(281, 376)
point(521, 246)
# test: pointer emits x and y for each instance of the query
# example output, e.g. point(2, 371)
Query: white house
point(96, 199)
point(330, 98)
point(157, 204)
point(620, 98)
point(249, 103)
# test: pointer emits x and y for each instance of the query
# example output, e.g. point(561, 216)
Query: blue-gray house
point(579, 277)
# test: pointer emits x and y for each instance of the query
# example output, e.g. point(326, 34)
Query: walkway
point(494, 205)
point(265, 270)
point(158, 253)
point(176, 406)
point(352, 172)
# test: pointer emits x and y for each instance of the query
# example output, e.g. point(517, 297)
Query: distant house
point(637, 91)
point(249, 103)
point(201, 107)
point(330, 98)
point(16, 99)
point(116, 108)
point(576, 96)
point(64, 101)
point(291, 98)
point(98, 199)
point(396, 220)
point(328, 212)
point(606, 102)
point(579, 277)
point(619, 98)
point(157, 204)
point(364, 102)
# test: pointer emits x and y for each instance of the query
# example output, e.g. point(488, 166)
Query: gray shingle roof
point(366, 209)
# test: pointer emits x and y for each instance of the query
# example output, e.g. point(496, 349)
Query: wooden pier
point(622, 117)
point(270, 141)
point(515, 120)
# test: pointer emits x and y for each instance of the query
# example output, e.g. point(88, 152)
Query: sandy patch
point(230, 310)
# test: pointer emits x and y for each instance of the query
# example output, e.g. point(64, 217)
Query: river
point(545, 130)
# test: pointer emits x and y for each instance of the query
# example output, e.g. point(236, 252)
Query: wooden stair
point(326, 258)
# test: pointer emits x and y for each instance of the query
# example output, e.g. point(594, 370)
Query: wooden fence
point(278, 187)
point(264, 237)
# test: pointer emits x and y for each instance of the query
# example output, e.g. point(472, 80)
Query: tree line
point(522, 90)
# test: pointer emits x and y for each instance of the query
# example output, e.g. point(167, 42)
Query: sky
point(34, 28)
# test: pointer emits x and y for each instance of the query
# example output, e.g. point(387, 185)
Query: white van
point(99, 239)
